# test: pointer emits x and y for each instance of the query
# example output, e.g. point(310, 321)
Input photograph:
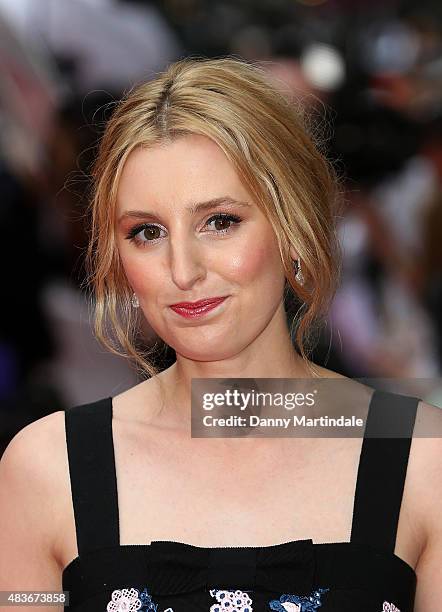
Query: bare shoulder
point(428, 423)
point(35, 460)
point(32, 489)
point(425, 464)
point(36, 449)
point(424, 472)
point(424, 478)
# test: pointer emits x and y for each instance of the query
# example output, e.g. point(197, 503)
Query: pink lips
point(196, 309)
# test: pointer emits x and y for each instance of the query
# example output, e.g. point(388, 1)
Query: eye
point(223, 218)
point(149, 231)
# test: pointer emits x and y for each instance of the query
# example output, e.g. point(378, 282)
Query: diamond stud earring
point(134, 301)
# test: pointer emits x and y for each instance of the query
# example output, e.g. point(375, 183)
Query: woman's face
point(172, 255)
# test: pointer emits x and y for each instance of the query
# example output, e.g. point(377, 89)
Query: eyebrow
point(192, 209)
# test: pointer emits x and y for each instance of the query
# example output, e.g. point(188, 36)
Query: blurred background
point(370, 72)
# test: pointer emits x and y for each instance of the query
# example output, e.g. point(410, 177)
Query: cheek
point(247, 264)
point(132, 271)
point(259, 262)
point(141, 280)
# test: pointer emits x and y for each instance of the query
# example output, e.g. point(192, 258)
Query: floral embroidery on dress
point(389, 607)
point(233, 601)
point(129, 600)
point(298, 603)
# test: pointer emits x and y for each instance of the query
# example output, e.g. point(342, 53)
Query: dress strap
point(382, 469)
point(92, 473)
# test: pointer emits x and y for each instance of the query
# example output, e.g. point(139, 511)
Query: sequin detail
point(298, 603)
point(129, 600)
point(389, 607)
point(233, 601)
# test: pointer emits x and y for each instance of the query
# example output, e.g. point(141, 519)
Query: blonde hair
point(265, 136)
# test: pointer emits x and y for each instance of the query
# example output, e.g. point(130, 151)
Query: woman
point(208, 185)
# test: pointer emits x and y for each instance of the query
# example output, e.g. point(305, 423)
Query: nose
point(187, 264)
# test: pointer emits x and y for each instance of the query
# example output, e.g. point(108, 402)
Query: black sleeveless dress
point(362, 575)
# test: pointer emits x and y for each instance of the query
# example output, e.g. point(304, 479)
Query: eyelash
point(132, 234)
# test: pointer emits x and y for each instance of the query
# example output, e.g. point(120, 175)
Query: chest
point(240, 493)
point(208, 493)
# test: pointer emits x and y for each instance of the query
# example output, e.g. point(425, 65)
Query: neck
point(270, 355)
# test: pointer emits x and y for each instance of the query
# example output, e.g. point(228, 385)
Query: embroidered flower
point(298, 603)
point(128, 600)
point(389, 607)
point(233, 601)
point(125, 600)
